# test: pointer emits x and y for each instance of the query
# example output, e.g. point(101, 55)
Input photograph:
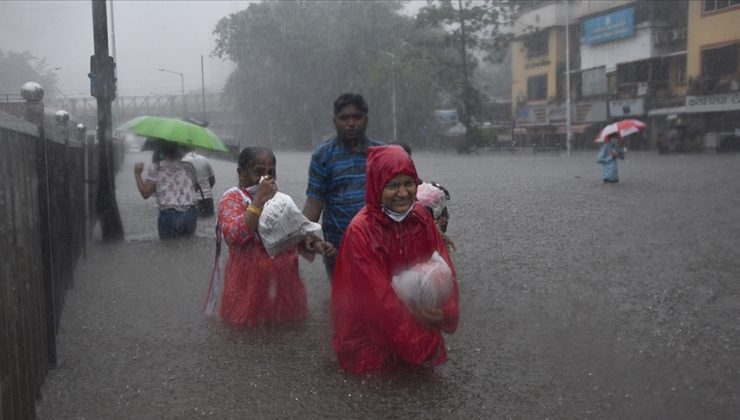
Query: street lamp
point(182, 85)
point(393, 89)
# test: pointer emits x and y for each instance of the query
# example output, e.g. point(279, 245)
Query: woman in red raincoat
point(258, 289)
point(373, 330)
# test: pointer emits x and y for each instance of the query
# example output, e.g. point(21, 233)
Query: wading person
point(206, 180)
point(373, 329)
point(259, 289)
point(607, 158)
point(175, 184)
point(336, 176)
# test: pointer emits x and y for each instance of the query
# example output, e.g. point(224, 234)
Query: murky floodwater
point(578, 300)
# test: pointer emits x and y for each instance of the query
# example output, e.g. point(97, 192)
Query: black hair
point(350, 99)
point(163, 148)
point(249, 154)
point(405, 146)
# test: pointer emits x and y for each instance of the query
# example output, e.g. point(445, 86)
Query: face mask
point(252, 190)
point(398, 217)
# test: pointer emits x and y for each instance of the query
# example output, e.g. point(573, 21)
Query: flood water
point(578, 300)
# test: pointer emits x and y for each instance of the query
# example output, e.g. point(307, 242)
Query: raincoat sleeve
point(231, 219)
point(364, 299)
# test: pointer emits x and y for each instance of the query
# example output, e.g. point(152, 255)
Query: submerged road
point(578, 300)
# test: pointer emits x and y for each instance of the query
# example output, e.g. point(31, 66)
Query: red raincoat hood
point(383, 164)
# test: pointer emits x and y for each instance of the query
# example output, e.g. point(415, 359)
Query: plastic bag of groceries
point(426, 285)
point(282, 225)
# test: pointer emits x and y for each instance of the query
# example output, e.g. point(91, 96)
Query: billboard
point(609, 27)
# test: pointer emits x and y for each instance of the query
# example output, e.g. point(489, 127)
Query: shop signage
point(713, 103)
point(626, 107)
point(609, 27)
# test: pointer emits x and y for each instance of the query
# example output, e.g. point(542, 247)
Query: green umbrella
point(176, 131)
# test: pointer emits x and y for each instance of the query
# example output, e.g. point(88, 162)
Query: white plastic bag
point(282, 225)
point(426, 285)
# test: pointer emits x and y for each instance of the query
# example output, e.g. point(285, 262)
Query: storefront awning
point(575, 128)
point(667, 111)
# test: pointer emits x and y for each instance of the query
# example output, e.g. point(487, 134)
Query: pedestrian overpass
point(214, 108)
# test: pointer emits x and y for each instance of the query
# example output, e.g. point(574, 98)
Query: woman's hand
point(145, 189)
point(325, 248)
point(432, 318)
point(265, 191)
point(316, 245)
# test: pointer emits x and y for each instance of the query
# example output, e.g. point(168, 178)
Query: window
point(712, 5)
point(537, 87)
point(536, 43)
point(633, 72)
point(593, 82)
point(656, 70)
point(719, 62)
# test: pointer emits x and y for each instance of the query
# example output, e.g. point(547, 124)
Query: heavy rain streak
point(207, 209)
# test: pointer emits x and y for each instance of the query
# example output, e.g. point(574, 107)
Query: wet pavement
point(578, 300)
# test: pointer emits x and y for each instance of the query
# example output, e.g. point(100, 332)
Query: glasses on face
point(395, 185)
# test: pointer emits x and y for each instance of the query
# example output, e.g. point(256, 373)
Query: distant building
point(709, 116)
point(626, 57)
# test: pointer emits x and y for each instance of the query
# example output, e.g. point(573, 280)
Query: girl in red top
point(373, 330)
point(258, 289)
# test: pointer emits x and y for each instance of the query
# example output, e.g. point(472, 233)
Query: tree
point(474, 29)
point(294, 58)
point(16, 68)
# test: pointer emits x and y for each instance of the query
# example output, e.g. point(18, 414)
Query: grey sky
point(149, 35)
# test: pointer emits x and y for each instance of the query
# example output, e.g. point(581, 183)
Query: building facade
point(671, 63)
point(709, 117)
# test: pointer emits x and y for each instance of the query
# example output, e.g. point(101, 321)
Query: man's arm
point(312, 209)
point(212, 180)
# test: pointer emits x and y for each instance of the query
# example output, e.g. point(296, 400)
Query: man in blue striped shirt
point(336, 177)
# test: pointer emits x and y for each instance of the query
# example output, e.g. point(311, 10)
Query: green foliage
point(295, 57)
point(473, 30)
point(484, 21)
point(16, 68)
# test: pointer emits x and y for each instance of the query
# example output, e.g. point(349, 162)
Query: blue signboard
point(609, 27)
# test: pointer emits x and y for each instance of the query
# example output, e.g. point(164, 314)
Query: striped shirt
point(336, 177)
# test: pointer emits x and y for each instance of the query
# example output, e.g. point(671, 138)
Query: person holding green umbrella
point(175, 185)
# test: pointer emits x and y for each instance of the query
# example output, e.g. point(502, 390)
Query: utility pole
point(464, 57)
point(568, 132)
point(393, 89)
point(117, 113)
point(467, 100)
point(103, 88)
point(203, 88)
